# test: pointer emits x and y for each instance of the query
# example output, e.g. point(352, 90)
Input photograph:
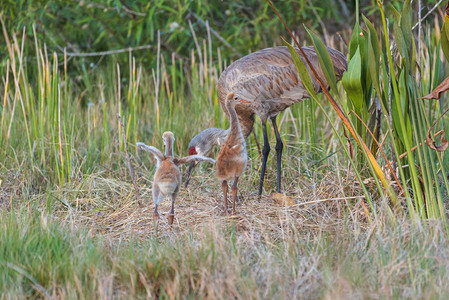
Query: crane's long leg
point(157, 198)
point(224, 186)
point(265, 152)
point(192, 166)
point(171, 214)
point(234, 193)
point(279, 147)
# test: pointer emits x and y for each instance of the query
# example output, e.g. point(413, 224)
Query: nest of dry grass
point(108, 207)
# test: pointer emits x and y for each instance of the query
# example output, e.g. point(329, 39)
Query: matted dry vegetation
point(108, 205)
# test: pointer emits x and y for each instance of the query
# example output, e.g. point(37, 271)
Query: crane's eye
point(235, 98)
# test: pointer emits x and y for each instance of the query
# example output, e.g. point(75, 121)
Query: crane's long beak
point(192, 166)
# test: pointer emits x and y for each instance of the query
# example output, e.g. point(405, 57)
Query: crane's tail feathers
point(192, 158)
point(153, 150)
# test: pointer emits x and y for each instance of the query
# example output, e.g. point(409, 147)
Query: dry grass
point(109, 208)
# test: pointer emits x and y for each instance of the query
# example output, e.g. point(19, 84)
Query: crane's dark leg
point(279, 147)
point(265, 152)
point(192, 166)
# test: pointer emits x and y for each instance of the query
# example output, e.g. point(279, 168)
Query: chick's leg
point(171, 214)
point(157, 198)
point(224, 186)
point(234, 193)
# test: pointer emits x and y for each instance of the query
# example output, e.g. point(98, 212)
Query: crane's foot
point(229, 212)
point(233, 214)
point(171, 217)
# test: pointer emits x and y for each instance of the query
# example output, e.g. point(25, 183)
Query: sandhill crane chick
point(232, 158)
point(167, 178)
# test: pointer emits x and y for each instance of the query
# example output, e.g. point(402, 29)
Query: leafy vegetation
point(91, 26)
point(426, 172)
point(71, 226)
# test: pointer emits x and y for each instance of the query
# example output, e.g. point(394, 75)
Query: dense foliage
point(92, 26)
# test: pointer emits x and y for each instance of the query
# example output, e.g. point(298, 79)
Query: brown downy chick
point(167, 178)
point(232, 158)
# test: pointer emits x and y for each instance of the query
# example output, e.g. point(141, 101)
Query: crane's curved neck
point(169, 147)
point(246, 124)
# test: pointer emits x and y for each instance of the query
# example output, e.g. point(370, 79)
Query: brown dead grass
point(109, 208)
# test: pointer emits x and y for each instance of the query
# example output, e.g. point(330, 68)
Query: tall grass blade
point(375, 165)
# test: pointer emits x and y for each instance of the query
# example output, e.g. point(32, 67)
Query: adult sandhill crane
point(167, 178)
point(232, 158)
point(203, 143)
point(268, 79)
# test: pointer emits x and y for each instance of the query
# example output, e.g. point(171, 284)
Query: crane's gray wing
point(272, 82)
point(271, 74)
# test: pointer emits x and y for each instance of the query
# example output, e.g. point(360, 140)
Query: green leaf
point(373, 39)
point(373, 62)
point(445, 38)
point(406, 27)
point(365, 76)
point(352, 82)
point(403, 34)
point(403, 104)
point(399, 37)
point(139, 32)
point(354, 43)
point(302, 70)
point(325, 61)
point(100, 37)
point(406, 22)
